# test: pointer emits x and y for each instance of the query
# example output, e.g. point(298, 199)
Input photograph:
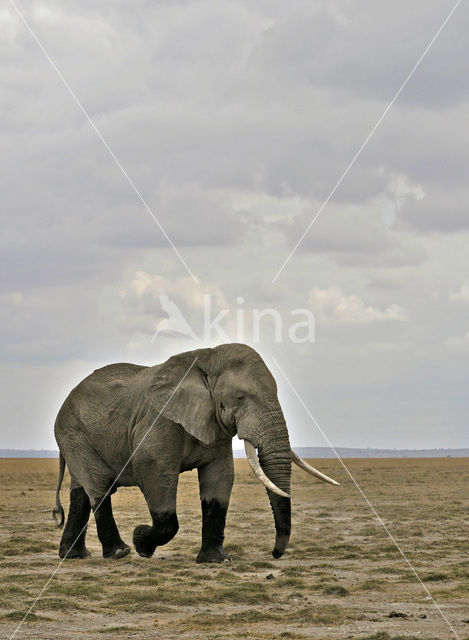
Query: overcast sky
point(235, 119)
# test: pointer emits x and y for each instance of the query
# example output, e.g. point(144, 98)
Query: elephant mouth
point(228, 430)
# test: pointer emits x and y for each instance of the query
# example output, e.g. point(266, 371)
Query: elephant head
point(229, 390)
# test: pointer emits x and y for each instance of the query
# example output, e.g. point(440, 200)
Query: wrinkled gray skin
point(165, 426)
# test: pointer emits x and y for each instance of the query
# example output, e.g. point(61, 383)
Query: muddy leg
point(72, 544)
point(160, 494)
point(108, 534)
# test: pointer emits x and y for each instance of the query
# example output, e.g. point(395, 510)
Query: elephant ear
point(179, 392)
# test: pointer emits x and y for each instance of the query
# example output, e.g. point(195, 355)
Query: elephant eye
point(222, 406)
point(240, 397)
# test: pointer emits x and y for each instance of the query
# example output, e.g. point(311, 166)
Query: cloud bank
point(235, 120)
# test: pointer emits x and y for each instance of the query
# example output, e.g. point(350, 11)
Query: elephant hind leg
point(108, 534)
point(72, 544)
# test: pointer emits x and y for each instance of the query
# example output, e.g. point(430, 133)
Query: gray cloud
point(437, 212)
point(235, 120)
point(368, 50)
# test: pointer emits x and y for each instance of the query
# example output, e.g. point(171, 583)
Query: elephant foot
point(119, 551)
point(143, 541)
point(73, 552)
point(214, 554)
point(146, 539)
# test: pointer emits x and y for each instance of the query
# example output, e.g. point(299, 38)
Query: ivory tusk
point(257, 469)
point(309, 469)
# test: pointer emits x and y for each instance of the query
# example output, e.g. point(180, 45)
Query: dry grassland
point(342, 577)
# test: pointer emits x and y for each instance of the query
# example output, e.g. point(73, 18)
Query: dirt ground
point(342, 576)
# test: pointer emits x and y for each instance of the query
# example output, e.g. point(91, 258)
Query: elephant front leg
point(160, 495)
point(216, 481)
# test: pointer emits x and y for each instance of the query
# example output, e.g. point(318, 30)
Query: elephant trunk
point(268, 432)
point(276, 464)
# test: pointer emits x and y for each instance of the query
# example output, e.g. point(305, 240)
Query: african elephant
point(127, 425)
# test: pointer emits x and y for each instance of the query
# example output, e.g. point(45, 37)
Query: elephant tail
point(58, 511)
